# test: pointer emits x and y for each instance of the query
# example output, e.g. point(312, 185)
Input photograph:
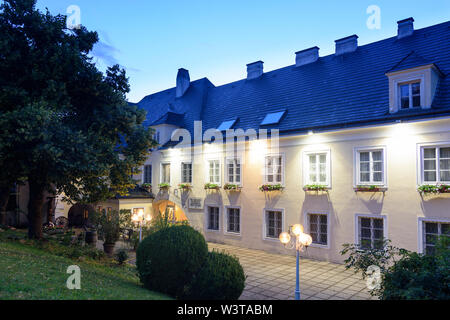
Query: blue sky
point(216, 39)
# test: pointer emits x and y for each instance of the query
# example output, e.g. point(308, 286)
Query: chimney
point(254, 70)
point(306, 56)
point(405, 28)
point(183, 81)
point(347, 44)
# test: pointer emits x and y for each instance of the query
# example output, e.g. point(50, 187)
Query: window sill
point(233, 234)
point(321, 246)
point(370, 188)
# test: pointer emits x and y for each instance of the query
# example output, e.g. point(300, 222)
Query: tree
point(64, 123)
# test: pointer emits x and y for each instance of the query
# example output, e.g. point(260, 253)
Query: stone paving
point(272, 277)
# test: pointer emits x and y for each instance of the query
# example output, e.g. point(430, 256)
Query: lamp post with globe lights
point(140, 219)
point(301, 241)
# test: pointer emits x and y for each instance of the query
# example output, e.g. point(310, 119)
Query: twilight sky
point(216, 39)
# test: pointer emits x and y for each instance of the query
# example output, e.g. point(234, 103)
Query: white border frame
point(220, 170)
point(192, 171)
point(407, 77)
point(364, 215)
point(264, 224)
point(206, 220)
point(305, 163)
point(225, 221)
point(143, 173)
point(161, 171)
point(283, 164)
point(307, 230)
point(419, 160)
point(420, 234)
point(356, 167)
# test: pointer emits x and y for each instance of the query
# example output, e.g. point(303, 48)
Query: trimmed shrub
point(166, 260)
point(220, 278)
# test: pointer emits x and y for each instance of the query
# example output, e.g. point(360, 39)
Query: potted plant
point(185, 187)
point(271, 187)
point(436, 189)
point(164, 186)
point(147, 187)
point(211, 186)
point(232, 187)
point(367, 188)
point(315, 187)
point(108, 227)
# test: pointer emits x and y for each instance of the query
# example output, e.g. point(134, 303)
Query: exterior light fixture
point(140, 219)
point(310, 133)
point(301, 241)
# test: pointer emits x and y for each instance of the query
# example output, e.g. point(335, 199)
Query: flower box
point(232, 187)
point(185, 186)
point(369, 189)
point(315, 187)
point(436, 189)
point(147, 187)
point(164, 186)
point(211, 186)
point(271, 187)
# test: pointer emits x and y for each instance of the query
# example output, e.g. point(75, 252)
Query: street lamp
point(140, 219)
point(301, 241)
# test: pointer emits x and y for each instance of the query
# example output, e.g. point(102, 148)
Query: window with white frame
point(432, 230)
point(318, 228)
point(233, 220)
point(317, 168)
point(233, 171)
point(186, 172)
point(213, 218)
point(370, 232)
point(435, 164)
point(370, 166)
point(214, 171)
point(274, 169)
point(409, 94)
point(165, 172)
point(273, 223)
point(148, 173)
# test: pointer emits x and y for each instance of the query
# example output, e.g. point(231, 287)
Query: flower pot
point(109, 248)
point(91, 238)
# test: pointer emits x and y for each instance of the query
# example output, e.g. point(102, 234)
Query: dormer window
point(409, 95)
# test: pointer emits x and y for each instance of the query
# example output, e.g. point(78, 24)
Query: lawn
point(27, 272)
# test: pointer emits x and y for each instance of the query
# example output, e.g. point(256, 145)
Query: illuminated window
point(165, 172)
point(370, 166)
point(274, 169)
point(233, 171)
point(436, 164)
point(186, 172)
point(317, 168)
point(214, 171)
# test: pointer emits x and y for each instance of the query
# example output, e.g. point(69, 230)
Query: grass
point(28, 272)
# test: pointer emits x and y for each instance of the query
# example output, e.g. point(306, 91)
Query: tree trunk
point(35, 205)
point(4, 197)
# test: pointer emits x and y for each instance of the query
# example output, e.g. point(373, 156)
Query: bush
point(121, 256)
point(166, 260)
point(220, 278)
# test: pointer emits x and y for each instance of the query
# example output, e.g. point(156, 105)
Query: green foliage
point(220, 278)
point(431, 188)
point(164, 185)
point(185, 186)
point(315, 187)
point(166, 260)
point(405, 275)
point(108, 224)
point(372, 188)
point(64, 123)
point(121, 256)
point(232, 187)
point(271, 187)
point(211, 186)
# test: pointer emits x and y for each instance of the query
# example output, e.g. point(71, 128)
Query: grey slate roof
point(333, 92)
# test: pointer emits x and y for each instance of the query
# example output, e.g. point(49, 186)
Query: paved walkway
point(272, 277)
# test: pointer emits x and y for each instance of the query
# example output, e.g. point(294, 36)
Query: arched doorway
point(170, 210)
point(79, 215)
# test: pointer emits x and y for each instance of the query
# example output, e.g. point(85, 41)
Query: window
point(370, 232)
point(432, 230)
point(409, 95)
point(214, 171)
point(272, 118)
point(273, 223)
point(165, 172)
point(370, 166)
point(186, 172)
point(274, 169)
point(148, 174)
point(317, 168)
point(233, 171)
point(436, 164)
point(318, 228)
point(213, 218)
point(233, 220)
point(156, 136)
